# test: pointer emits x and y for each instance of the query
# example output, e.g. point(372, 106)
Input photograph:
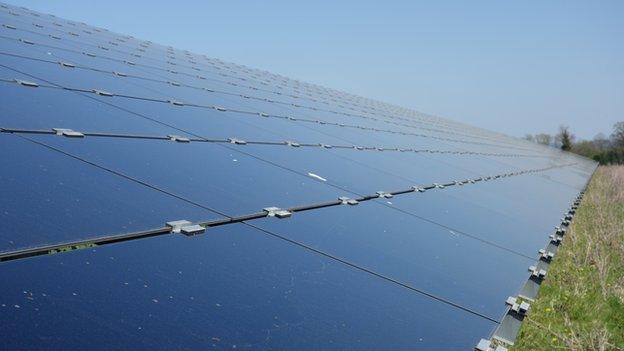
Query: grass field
point(581, 302)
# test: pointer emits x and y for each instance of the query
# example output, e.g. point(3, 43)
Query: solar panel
point(158, 198)
point(235, 288)
point(49, 198)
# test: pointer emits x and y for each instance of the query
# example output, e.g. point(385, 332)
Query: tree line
point(603, 149)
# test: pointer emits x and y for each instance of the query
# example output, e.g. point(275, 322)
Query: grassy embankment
point(581, 303)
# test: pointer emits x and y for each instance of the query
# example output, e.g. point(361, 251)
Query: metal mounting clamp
point(26, 83)
point(237, 141)
point(176, 103)
point(68, 133)
point(536, 272)
point(556, 239)
point(178, 138)
point(487, 345)
point(383, 194)
point(191, 230)
point(277, 212)
point(546, 255)
point(292, 143)
point(348, 201)
point(67, 64)
point(517, 305)
point(102, 92)
point(419, 189)
point(185, 227)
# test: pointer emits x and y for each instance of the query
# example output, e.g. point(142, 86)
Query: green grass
point(581, 303)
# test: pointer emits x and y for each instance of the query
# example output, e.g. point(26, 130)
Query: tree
point(565, 138)
point(617, 137)
point(601, 142)
point(586, 148)
point(601, 149)
point(542, 138)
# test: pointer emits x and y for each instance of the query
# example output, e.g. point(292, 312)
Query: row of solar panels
point(100, 140)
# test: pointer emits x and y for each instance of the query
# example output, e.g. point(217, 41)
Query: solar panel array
point(314, 219)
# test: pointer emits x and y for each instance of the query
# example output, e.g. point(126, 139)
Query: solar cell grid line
point(227, 93)
point(261, 114)
point(233, 140)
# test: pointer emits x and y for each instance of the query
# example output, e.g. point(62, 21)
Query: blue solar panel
point(50, 198)
point(315, 219)
point(236, 288)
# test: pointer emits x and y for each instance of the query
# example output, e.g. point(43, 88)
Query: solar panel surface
point(400, 230)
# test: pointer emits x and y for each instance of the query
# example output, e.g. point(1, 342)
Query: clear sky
point(512, 66)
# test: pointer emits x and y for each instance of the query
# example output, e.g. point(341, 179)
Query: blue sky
point(514, 67)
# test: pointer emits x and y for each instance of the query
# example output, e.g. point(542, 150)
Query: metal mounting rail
point(519, 306)
point(238, 141)
point(249, 113)
point(266, 212)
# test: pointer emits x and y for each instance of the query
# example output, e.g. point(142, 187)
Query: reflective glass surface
point(423, 255)
point(213, 175)
point(50, 198)
point(234, 287)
